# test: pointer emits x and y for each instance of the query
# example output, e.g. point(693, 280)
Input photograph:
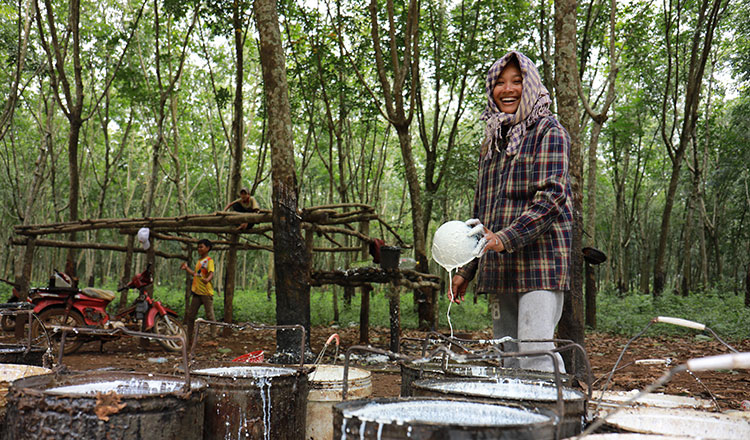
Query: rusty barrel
point(411, 372)
point(255, 401)
point(104, 405)
point(438, 419)
point(21, 354)
point(526, 393)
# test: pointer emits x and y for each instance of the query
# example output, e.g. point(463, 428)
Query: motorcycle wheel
point(168, 325)
point(57, 317)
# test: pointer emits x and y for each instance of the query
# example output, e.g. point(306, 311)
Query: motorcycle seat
point(107, 295)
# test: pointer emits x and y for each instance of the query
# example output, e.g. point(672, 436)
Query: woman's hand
point(493, 241)
point(183, 266)
point(458, 286)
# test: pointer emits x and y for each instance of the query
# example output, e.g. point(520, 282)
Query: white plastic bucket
point(11, 372)
point(326, 389)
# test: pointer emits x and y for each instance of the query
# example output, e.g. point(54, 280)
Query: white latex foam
point(451, 247)
point(127, 387)
point(506, 389)
point(247, 372)
point(445, 413)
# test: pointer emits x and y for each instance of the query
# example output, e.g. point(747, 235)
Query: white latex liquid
point(443, 413)
point(129, 387)
point(508, 389)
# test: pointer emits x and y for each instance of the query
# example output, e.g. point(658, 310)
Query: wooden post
point(24, 281)
point(364, 315)
point(151, 259)
point(394, 306)
point(364, 291)
point(188, 278)
point(271, 275)
point(230, 276)
point(590, 275)
point(127, 271)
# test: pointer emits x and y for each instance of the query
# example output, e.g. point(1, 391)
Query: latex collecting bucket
point(389, 257)
point(679, 422)
point(326, 389)
point(254, 401)
point(521, 392)
point(21, 354)
point(434, 418)
point(102, 405)
point(411, 372)
point(451, 246)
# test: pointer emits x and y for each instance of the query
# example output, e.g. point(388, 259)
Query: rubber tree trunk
point(290, 254)
point(566, 77)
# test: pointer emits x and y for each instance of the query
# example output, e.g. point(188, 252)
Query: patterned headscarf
point(535, 101)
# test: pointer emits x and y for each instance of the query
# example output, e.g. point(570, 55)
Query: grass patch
point(255, 306)
point(725, 313)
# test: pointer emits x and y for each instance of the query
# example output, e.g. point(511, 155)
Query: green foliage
point(628, 314)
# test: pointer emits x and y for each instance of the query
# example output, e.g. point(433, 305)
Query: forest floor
point(729, 388)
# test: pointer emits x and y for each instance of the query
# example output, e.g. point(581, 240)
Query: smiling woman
point(509, 87)
point(522, 201)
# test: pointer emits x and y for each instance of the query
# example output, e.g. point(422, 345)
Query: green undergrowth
point(629, 313)
point(625, 314)
point(255, 306)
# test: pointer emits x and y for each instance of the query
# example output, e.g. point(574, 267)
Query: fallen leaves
point(107, 404)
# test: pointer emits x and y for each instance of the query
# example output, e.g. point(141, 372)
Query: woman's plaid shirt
point(526, 200)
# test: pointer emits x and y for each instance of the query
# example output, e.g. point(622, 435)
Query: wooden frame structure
point(325, 221)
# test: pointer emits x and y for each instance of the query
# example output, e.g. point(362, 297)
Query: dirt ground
point(730, 388)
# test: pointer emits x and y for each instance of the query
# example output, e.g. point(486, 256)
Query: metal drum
point(525, 393)
point(437, 419)
point(21, 354)
point(679, 422)
point(103, 405)
point(258, 402)
point(411, 372)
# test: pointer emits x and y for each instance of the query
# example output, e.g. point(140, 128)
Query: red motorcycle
point(62, 304)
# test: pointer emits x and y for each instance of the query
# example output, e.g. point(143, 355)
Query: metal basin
point(20, 354)
point(679, 422)
point(525, 393)
point(437, 419)
point(654, 400)
point(411, 372)
point(100, 405)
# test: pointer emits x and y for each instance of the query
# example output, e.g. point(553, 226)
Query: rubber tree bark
point(290, 254)
point(566, 80)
